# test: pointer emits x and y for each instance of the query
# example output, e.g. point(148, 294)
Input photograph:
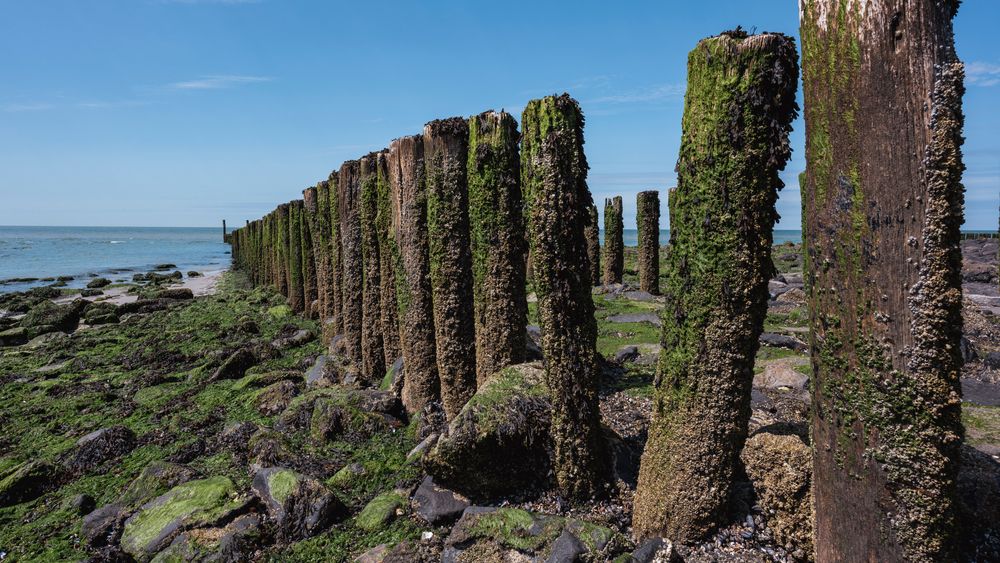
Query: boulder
point(179, 293)
point(25, 482)
point(793, 295)
point(233, 543)
point(626, 354)
point(99, 446)
point(155, 479)
point(90, 292)
point(782, 341)
point(195, 504)
point(14, 336)
point(780, 375)
point(236, 365)
point(655, 550)
point(566, 549)
point(194, 274)
point(489, 530)
point(437, 505)
point(380, 511)
point(300, 506)
point(98, 283)
point(780, 468)
point(164, 267)
point(968, 350)
point(297, 338)
point(103, 526)
point(276, 397)
point(499, 443)
point(49, 317)
point(323, 372)
point(992, 360)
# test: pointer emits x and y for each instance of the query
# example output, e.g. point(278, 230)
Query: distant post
point(648, 223)
point(614, 251)
point(223, 230)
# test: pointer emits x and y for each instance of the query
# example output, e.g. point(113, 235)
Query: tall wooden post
point(883, 200)
point(648, 223)
point(352, 268)
point(738, 111)
point(446, 145)
point(614, 243)
point(372, 352)
point(554, 181)
point(593, 233)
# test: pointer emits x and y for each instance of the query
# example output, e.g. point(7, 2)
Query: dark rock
point(90, 292)
point(437, 505)
point(499, 443)
point(236, 365)
point(194, 274)
point(566, 549)
point(25, 482)
point(992, 360)
point(234, 543)
point(99, 446)
point(82, 504)
point(48, 317)
point(164, 267)
point(977, 491)
point(651, 318)
point(14, 336)
point(103, 526)
point(98, 283)
point(144, 306)
point(626, 354)
point(968, 350)
point(300, 506)
point(155, 479)
point(236, 435)
point(298, 338)
point(323, 372)
point(175, 293)
point(658, 550)
point(533, 344)
point(103, 319)
point(783, 341)
point(276, 397)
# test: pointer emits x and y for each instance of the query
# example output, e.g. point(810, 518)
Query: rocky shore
point(206, 422)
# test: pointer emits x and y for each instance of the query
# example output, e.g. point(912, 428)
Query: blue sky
point(185, 112)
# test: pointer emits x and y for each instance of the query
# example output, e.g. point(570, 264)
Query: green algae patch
point(280, 312)
point(193, 504)
point(282, 484)
point(379, 511)
point(515, 528)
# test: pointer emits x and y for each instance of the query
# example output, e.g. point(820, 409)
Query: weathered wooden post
point(352, 269)
point(316, 199)
point(335, 293)
point(296, 279)
point(883, 203)
point(648, 223)
point(389, 261)
point(224, 238)
point(554, 182)
point(309, 294)
point(372, 352)
point(446, 145)
point(498, 242)
point(593, 234)
point(738, 111)
point(416, 311)
point(614, 243)
point(281, 249)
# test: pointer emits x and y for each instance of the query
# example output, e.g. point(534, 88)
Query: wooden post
point(554, 181)
point(372, 351)
point(614, 244)
point(416, 311)
point(498, 242)
point(593, 233)
point(648, 223)
point(389, 261)
point(883, 200)
point(446, 145)
point(738, 111)
point(352, 270)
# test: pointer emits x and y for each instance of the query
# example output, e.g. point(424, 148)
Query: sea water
point(112, 252)
point(631, 236)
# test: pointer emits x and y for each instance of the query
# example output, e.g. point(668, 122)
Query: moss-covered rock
point(195, 504)
point(48, 316)
point(300, 506)
point(154, 480)
point(380, 511)
point(14, 336)
point(499, 443)
point(234, 542)
point(25, 482)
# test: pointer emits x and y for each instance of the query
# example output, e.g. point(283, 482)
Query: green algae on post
point(498, 242)
point(614, 243)
point(296, 278)
point(352, 266)
point(882, 206)
point(593, 233)
point(738, 111)
point(413, 283)
point(648, 222)
point(372, 352)
point(557, 200)
point(446, 145)
point(388, 261)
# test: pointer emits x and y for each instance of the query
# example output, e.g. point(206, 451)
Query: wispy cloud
point(218, 82)
point(27, 106)
point(978, 73)
point(662, 92)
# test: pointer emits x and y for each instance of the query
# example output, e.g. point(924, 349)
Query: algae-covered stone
point(499, 443)
point(300, 505)
point(25, 482)
point(380, 511)
point(48, 316)
point(14, 336)
point(194, 504)
point(504, 528)
point(437, 505)
point(99, 446)
point(276, 397)
point(155, 479)
point(234, 542)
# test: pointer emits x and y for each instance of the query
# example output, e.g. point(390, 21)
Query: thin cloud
point(663, 92)
point(218, 82)
point(28, 106)
point(978, 73)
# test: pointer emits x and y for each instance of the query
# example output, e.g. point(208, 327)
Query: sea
point(631, 236)
point(115, 253)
